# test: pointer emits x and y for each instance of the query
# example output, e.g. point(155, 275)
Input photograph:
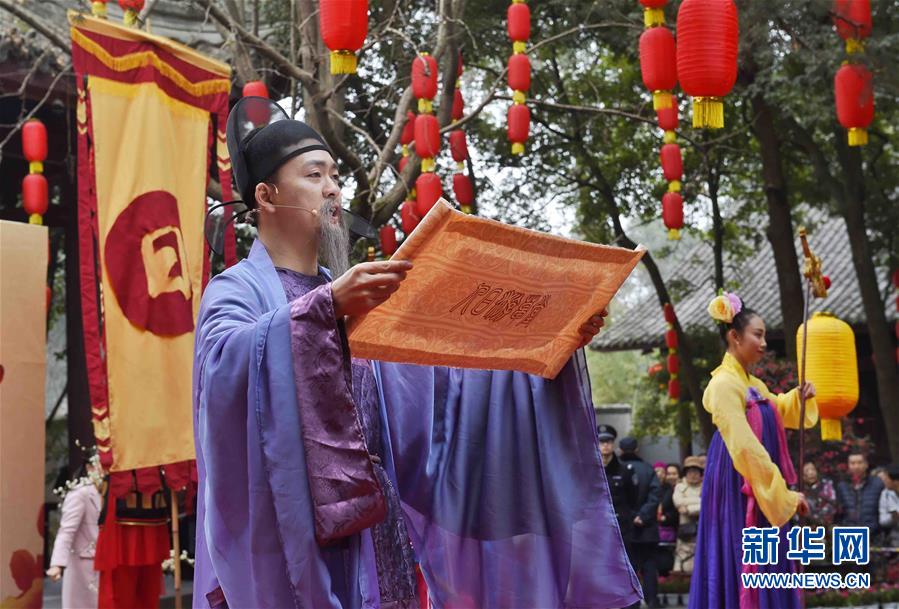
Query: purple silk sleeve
point(346, 494)
point(503, 489)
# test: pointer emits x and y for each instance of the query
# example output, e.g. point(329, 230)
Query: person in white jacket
point(73, 550)
point(687, 498)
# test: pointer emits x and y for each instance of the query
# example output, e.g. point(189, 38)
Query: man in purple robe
point(323, 479)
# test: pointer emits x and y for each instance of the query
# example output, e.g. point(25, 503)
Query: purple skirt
point(722, 516)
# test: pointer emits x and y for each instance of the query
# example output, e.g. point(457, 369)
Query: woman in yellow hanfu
point(747, 470)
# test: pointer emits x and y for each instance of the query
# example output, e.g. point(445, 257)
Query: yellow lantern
point(833, 368)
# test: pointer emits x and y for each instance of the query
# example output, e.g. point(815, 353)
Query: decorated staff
point(816, 287)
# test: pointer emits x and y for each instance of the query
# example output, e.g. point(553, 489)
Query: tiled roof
point(641, 326)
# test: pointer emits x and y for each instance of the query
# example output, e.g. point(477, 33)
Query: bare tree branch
point(280, 61)
point(59, 39)
point(66, 71)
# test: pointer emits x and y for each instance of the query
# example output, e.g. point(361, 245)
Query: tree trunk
point(78, 420)
point(879, 329)
point(780, 224)
point(718, 233)
point(688, 372)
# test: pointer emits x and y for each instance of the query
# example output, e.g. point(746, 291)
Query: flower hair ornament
point(725, 306)
point(95, 476)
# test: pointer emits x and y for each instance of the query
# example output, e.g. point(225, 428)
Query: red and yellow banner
point(145, 126)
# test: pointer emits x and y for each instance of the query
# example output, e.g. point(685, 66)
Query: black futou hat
point(261, 138)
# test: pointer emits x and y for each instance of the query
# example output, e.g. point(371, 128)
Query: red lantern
point(463, 189)
point(460, 67)
point(518, 24)
point(258, 112)
point(344, 25)
point(427, 140)
point(673, 213)
point(458, 105)
point(653, 14)
point(707, 34)
point(35, 196)
point(424, 81)
point(255, 88)
point(408, 135)
point(404, 160)
point(673, 363)
point(519, 76)
point(896, 279)
point(674, 389)
point(519, 124)
point(855, 101)
point(668, 310)
point(668, 119)
point(458, 146)
point(672, 165)
point(428, 188)
point(658, 65)
point(388, 240)
point(852, 19)
point(671, 339)
point(34, 145)
point(408, 216)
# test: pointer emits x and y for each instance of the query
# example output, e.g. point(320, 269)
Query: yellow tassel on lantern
point(425, 106)
point(653, 17)
point(343, 62)
point(674, 186)
point(129, 18)
point(518, 148)
point(661, 100)
point(831, 430)
point(35, 219)
point(708, 113)
point(858, 136)
point(519, 46)
point(460, 165)
point(98, 10)
point(519, 97)
point(405, 149)
point(854, 45)
point(670, 137)
point(673, 234)
point(428, 164)
point(831, 366)
point(466, 209)
point(35, 167)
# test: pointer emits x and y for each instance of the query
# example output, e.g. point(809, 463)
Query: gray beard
point(334, 242)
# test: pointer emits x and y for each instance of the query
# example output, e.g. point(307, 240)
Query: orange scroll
point(487, 295)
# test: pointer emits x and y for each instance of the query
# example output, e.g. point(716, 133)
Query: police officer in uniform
point(622, 480)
